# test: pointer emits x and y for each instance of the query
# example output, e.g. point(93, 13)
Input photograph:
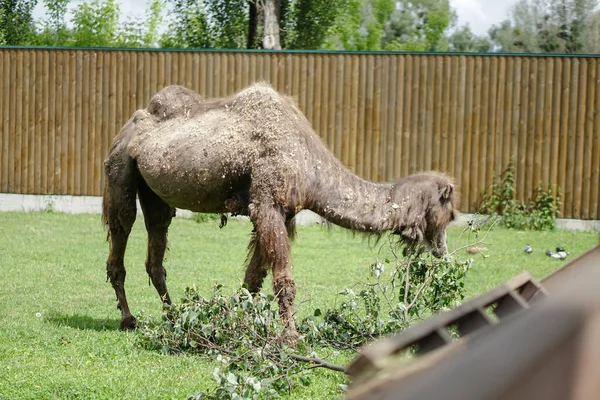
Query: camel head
point(425, 205)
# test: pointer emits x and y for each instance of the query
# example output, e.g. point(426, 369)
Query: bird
point(560, 253)
point(528, 249)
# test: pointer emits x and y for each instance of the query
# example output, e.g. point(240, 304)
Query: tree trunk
point(271, 36)
point(252, 24)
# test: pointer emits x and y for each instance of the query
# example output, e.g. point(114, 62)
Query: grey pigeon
point(528, 249)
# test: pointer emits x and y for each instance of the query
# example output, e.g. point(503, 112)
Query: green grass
point(58, 316)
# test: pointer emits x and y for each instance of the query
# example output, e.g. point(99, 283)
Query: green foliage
point(538, 213)
point(310, 21)
point(244, 334)
point(95, 23)
point(388, 303)
point(50, 207)
point(419, 25)
point(205, 217)
point(436, 22)
point(564, 26)
point(208, 24)
point(382, 11)
point(188, 26)
point(345, 31)
point(464, 40)
point(229, 23)
point(54, 31)
point(414, 25)
point(305, 24)
point(137, 32)
point(16, 22)
point(241, 332)
point(75, 349)
point(359, 25)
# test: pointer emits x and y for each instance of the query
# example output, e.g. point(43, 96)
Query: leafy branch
point(243, 333)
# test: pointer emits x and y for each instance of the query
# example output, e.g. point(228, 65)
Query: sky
point(479, 14)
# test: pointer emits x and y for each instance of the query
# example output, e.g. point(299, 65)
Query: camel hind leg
point(157, 217)
point(118, 213)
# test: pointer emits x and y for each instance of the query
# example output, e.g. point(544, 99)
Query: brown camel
point(253, 154)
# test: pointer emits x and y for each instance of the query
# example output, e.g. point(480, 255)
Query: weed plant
point(538, 213)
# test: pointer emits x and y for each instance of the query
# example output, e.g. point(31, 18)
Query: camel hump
point(260, 94)
point(174, 101)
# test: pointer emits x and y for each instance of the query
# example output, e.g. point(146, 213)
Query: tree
point(394, 25)
point(571, 17)
point(229, 23)
point(16, 22)
point(53, 31)
point(188, 26)
point(271, 27)
point(463, 39)
point(208, 24)
point(546, 26)
point(272, 24)
point(311, 21)
point(95, 23)
point(419, 25)
point(345, 31)
point(359, 25)
point(144, 32)
point(591, 37)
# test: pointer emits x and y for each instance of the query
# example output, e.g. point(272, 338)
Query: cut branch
point(475, 243)
point(319, 363)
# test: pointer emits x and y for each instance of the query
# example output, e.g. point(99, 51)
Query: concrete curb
point(93, 205)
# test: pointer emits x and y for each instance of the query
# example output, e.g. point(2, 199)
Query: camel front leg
point(257, 261)
point(272, 237)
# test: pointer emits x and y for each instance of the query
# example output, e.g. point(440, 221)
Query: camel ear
point(446, 191)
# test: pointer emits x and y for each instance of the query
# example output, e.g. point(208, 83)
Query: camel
point(254, 154)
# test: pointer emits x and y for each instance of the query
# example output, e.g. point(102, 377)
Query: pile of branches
point(244, 334)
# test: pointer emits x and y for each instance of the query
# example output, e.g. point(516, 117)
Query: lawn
point(58, 316)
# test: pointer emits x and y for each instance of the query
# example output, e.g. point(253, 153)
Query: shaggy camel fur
point(254, 154)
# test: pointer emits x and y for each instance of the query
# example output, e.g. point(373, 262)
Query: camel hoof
point(128, 323)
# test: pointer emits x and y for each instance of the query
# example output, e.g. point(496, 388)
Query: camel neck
point(346, 200)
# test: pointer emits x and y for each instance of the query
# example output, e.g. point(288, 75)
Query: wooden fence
point(384, 115)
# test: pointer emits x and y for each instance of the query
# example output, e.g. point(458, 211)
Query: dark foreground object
point(546, 345)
